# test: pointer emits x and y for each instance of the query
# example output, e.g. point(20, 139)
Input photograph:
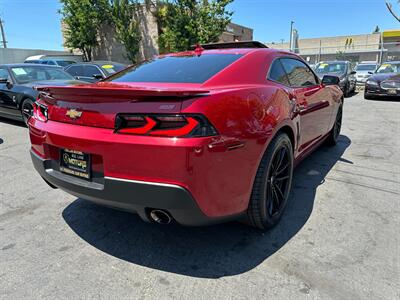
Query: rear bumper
point(218, 178)
point(130, 195)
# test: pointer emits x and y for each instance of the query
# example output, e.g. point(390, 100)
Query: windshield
point(177, 69)
point(389, 68)
point(335, 67)
point(32, 73)
point(64, 63)
point(366, 68)
point(110, 69)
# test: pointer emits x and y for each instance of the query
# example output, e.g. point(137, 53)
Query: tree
point(391, 10)
point(82, 20)
point(340, 55)
point(126, 26)
point(183, 23)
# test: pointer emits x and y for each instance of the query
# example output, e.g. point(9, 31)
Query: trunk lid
point(97, 104)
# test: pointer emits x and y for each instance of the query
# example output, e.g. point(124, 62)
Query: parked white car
point(364, 71)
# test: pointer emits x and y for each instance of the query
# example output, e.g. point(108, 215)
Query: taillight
point(40, 112)
point(164, 125)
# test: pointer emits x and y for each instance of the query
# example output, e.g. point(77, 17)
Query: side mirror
point(97, 76)
point(330, 80)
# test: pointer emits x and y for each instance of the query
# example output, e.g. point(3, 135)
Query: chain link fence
point(356, 53)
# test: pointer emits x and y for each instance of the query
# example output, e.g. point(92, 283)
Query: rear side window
point(90, 71)
point(64, 63)
point(4, 73)
point(298, 73)
point(75, 70)
point(177, 69)
point(277, 73)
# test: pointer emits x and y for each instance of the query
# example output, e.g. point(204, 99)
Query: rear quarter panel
point(246, 119)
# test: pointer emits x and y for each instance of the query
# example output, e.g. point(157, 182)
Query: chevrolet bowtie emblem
point(73, 113)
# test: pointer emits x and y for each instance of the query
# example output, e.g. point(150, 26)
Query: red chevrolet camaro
point(196, 137)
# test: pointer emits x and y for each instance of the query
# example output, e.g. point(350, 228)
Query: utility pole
point(320, 50)
point(382, 49)
point(3, 35)
point(291, 36)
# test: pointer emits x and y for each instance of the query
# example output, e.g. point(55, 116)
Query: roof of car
point(98, 62)
point(28, 65)
point(392, 62)
point(334, 61)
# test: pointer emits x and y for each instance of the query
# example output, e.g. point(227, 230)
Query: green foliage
point(82, 19)
point(183, 23)
point(126, 26)
point(340, 55)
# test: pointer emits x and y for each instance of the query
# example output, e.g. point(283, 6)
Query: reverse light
point(40, 112)
point(164, 125)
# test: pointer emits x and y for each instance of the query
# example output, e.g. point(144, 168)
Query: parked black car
point(17, 82)
point(385, 82)
point(342, 69)
point(95, 70)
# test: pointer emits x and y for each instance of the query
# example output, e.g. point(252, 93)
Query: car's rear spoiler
point(96, 93)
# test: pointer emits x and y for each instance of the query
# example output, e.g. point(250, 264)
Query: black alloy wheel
point(337, 127)
point(272, 185)
point(27, 110)
point(278, 182)
point(338, 123)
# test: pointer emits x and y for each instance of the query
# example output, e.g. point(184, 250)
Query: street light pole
point(3, 35)
point(291, 36)
point(381, 53)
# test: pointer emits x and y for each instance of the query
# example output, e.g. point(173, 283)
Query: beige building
point(235, 32)
point(357, 48)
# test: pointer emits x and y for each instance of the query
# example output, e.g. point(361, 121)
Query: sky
point(35, 24)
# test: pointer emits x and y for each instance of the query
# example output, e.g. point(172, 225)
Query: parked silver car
point(364, 71)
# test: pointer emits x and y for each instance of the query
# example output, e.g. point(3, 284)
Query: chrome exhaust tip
point(160, 217)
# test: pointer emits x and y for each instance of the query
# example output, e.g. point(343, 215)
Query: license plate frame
point(75, 163)
point(392, 91)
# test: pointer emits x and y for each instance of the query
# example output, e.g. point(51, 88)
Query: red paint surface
point(245, 108)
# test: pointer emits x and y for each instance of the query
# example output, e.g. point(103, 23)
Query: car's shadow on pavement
point(383, 99)
point(12, 122)
point(208, 252)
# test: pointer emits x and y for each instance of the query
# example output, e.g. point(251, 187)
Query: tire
point(347, 91)
point(368, 97)
point(337, 126)
point(27, 109)
point(272, 184)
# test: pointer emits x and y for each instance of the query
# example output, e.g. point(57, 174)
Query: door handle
point(302, 106)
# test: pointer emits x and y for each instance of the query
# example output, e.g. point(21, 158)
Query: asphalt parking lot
point(338, 239)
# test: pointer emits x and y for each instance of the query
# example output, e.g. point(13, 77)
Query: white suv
point(364, 71)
